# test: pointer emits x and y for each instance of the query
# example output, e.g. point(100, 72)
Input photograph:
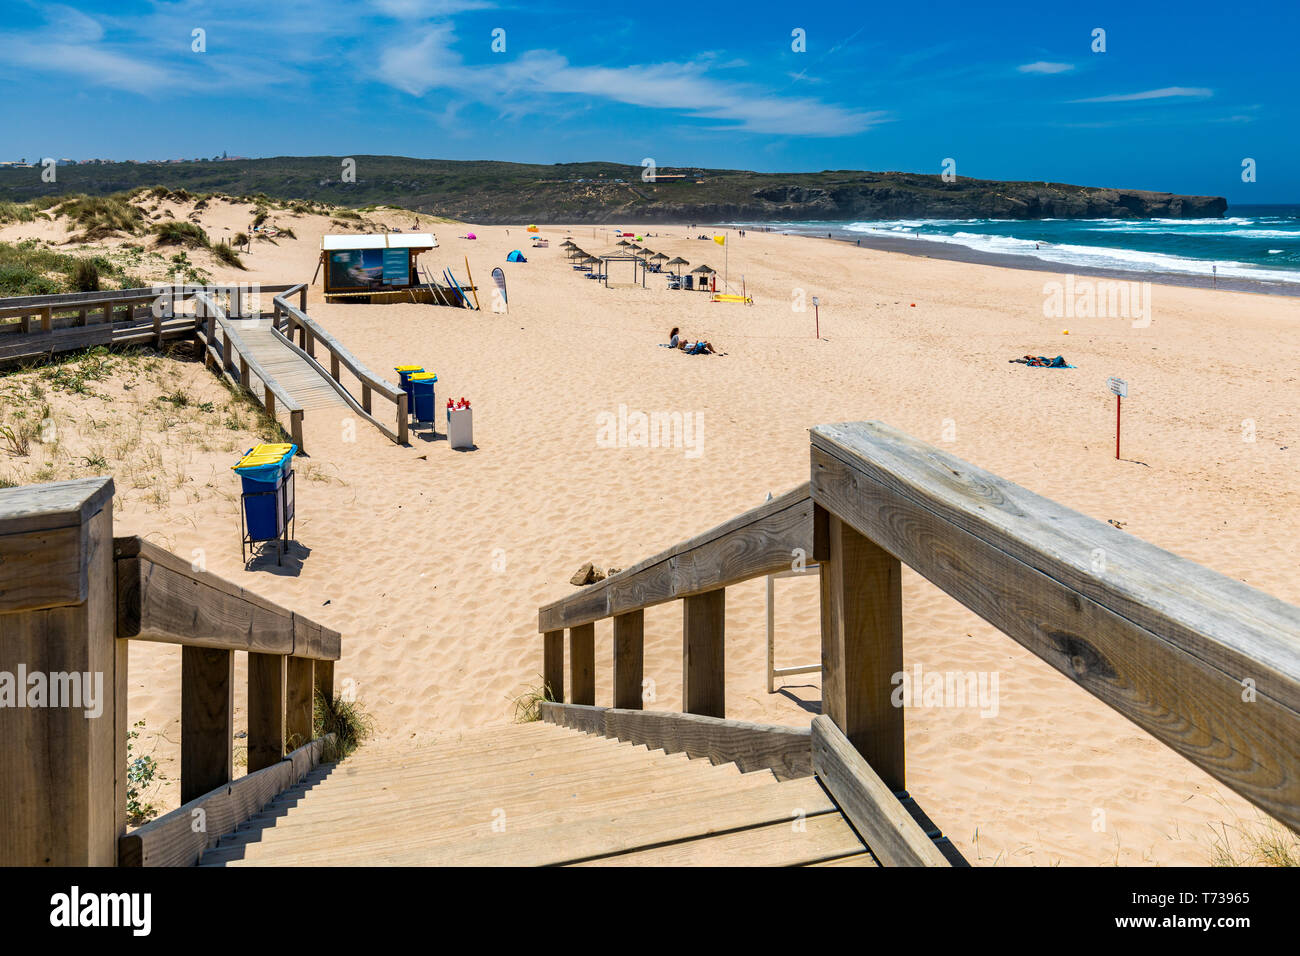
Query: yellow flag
point(720, 240)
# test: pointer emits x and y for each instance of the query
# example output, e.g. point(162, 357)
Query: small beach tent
point(376, 262)
point(471, 236)
point(516, 256)
point(532, 229)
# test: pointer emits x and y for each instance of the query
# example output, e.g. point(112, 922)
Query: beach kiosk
point(267, 506)
point(375, 268)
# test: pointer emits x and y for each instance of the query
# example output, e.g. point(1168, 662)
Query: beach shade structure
point(532, 228)
point(702, 271)
point(678, 261)
point(516, 256)
point(470, 235)
point(659, 257)
point(623, 244)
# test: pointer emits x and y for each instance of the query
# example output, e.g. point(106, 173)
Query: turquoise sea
point(1250, 242)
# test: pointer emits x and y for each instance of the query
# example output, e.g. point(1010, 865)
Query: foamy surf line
point(1150, 267)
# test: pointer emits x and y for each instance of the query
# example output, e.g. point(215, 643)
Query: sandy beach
point(433, 562)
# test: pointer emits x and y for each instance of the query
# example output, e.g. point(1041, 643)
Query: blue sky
point(1178, 99)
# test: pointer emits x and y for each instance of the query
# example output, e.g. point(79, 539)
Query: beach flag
point(499, 277)
point(720, 240)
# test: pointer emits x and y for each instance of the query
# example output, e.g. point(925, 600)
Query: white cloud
point(1042, 66)
point(1164, 93)
point(428, 63)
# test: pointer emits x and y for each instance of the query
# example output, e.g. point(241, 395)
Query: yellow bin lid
point(408, 368)
point(424, 377)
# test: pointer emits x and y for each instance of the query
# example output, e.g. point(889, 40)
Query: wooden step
point(372, 844)
point(825, 837)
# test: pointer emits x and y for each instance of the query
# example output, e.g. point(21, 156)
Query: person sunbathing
point(678, 341)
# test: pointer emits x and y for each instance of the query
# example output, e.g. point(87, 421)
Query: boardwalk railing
point(49, 324)
point(71, 596)
point(225, 351)
point(293, 321)
point(1204, 663)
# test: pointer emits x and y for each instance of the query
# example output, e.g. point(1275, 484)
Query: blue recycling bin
point(404, 373)
point(266, 474)
point(422, 386)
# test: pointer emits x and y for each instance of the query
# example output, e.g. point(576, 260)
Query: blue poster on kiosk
point(397, 267)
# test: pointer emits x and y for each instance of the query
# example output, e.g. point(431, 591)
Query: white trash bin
point(460, 427)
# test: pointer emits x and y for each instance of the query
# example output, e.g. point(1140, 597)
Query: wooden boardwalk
point(540, 794)
point(307, 386)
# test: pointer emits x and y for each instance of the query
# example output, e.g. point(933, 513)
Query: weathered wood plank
point(300, 682)
point(161, 597)
point(553, 664)
point(179, 838)
point(862, 648)
point(823, 837)
point(266, 692)
point(582, 664)
point(1174, 665)
point(42, 569)
point(703, 654)
point(207, 719)
point(889, 830)
point(638, 826)
point(629, 659)
point(786, 751)
point(760, 541)
point(588, 718)
point(61, 763)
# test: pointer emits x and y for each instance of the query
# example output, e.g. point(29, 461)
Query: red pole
point(817, 315)
point(1118, 400)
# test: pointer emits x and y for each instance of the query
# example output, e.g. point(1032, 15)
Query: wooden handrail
point(70, 597)
point(162, 598)
point(1204, 663)
point(311, 332)
point(761, 541)
point(77, 300)
point(211, 317)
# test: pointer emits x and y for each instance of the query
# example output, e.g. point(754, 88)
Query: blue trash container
point(422, 386)
point(404, 373)
point(263, 471)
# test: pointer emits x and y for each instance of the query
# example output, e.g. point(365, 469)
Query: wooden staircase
point(541, 794)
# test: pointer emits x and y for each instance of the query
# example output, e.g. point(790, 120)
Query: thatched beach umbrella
point(703, 269)
point(660, 256)
point(679, 261)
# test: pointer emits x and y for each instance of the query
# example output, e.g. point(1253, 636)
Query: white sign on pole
point(1118, 386)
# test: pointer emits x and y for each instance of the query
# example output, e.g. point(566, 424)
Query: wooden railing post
point(300, 680)
point(703, 638)
point(629, 659)
point(862, 644)
point(582, 664)
point(63, 761)
point(302, 299)
point(295, 427)
point(403, 419)
point(553, 664)
point(266, 690)
point(325, 679)
point(207, 719)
